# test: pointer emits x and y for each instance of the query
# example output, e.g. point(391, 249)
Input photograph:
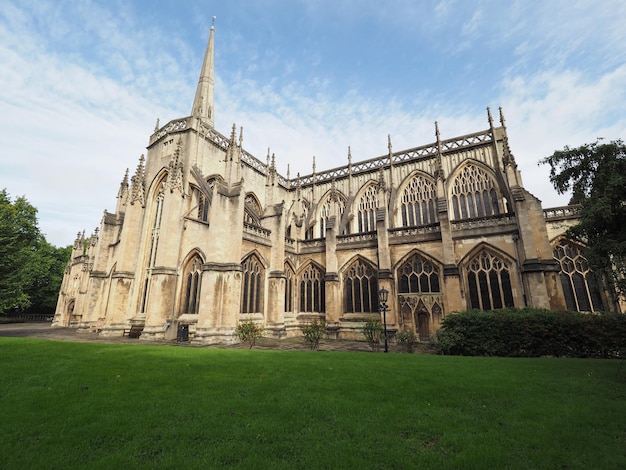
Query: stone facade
point(204, 235)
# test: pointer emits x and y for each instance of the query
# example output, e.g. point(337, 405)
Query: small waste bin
point(183, 333)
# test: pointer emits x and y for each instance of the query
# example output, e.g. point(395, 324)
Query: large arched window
point(311, 292)
point(489, 282)
point(419, 202)
point(361, 288)
point(289, 282)
point(366, 217)
point(417, 276)
point(326, 212)
point(253, 278)
point(193, 278)
point(252, 211)
point(579, 283)
point(474, 194)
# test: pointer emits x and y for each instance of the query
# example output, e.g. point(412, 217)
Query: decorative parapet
point(172, 126)
point(290, 242)
point(356, 237)
point(374, 164)
point(495, 221)
point(561, 213)
point(313, 243)
point(407, 231)
point(256, 230)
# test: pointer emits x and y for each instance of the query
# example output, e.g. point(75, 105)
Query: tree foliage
point(596, 175)
point(31, 269)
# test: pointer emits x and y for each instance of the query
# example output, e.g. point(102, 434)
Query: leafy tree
point(31, 269)
point(18, 239)
point(44, 274)
point(596, 175)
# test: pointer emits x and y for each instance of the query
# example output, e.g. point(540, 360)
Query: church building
point(206, 235)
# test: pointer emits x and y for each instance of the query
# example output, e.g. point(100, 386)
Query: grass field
point(80, 405)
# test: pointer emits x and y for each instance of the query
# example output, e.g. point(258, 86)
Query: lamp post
point(383, 295)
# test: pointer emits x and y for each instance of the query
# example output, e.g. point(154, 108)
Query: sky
point(82, 83)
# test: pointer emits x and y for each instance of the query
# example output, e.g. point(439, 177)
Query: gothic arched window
point(312, 294)
point(489, 282)
point(474, 194)
point(251, 293)
point(418, 275)
point(366, 217)
point(325, 213)
point(579, 284)
point(419, 202)
point(193, 278)
point(289, 281)
point(361, 288)
point(252, 211)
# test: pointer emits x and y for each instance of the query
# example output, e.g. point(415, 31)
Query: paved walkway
point(45, 331)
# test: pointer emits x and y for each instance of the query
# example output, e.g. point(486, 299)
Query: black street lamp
point(383, 295)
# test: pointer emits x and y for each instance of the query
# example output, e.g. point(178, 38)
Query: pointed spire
point(502, 120)
point(157, 125)
point(437, 134)
point(389, 144)
point(203, 102)
point(123, 186)
point(349, 156)
point(489, 117)
point(137, 188)
point(175, 174)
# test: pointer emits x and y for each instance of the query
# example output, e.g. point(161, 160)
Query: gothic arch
point(420, 298)
point(290, 285)
point(154, 186)
point(473, 191)
point(311, 292)
point(416, 200)
point(191, 282)
point(489, 278)
point(364, 208)
point(253, 283)
point(323, 210)
point(252, 210)
point(360, 286)
point(580, 286)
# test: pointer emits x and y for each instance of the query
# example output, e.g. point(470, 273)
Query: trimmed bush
point(313, 333)
point(374, 333)
point(532, 333)
point(248, 331)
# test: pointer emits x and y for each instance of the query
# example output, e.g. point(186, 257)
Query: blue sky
point(82, 83)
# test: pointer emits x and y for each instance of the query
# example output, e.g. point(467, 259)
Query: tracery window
point(203, 207)
point(325, 213)
point(312, 294)
point(580, 286)
point(418, 275)
point(251, 293)
point(366, 217)
point(419, 202)
point(361, 288)
point(474, 194)
point(252, 211)
point(489, 282)
point(193, 279)
point(289, 282)
point(156, 224)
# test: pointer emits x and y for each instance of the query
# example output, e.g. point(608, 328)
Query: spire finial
point(389, 143)
point(489, 117)
point(203, 102)
point(349, 155)
point(502, 120)
point(313, 163)
point(156, 126)
point(437, 131)
point(213, 24)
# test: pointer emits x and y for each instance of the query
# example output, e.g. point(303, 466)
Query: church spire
point(203, 102)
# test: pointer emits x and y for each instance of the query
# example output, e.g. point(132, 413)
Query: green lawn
point(85, 405)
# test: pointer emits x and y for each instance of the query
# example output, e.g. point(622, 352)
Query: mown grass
point(79, 405)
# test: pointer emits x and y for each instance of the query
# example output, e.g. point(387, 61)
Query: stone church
point(205, 235)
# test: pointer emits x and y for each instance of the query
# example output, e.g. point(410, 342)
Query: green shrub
point(532, 333)
point(248, 332)
point(407, 340)
point(374, 334)
point(314, 332)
